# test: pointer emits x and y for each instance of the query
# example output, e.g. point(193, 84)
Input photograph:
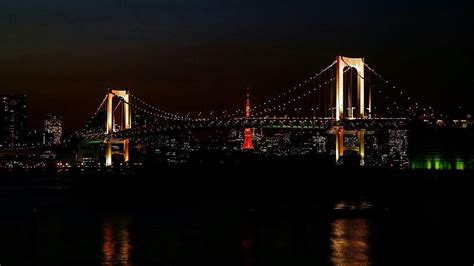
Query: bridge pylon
point(125, 120)
point(124, 95)
point(358, 64)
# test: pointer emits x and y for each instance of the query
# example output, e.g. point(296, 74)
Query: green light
point(448, 166)
point(437, 164)
point(459, 164)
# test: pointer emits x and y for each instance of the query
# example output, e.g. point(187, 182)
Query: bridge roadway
point(253, 122)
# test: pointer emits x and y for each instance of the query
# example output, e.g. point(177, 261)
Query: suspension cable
point(165, 113)
point(297, 98)
point(295, 87)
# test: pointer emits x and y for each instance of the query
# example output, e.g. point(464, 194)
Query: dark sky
point(188, 55)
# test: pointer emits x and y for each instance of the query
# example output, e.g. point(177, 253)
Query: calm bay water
point(216, 232)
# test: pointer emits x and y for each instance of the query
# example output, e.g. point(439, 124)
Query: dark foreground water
point(233, 222)
point(217, 233)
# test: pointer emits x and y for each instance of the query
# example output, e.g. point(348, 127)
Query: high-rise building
point(319, 142)
point(398, 147)
point(53, 124)
point(398, 143)
point(12, 119)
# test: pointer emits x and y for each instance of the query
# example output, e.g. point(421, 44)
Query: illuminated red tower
point(248, 135)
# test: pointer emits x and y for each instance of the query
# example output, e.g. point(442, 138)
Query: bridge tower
point(248, 134)
point(358, 65)
point(127, 115)
point(125, 120)
point(341, 147)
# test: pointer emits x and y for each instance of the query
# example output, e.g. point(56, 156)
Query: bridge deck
point(269, 123)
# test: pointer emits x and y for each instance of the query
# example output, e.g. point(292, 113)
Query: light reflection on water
point(116, 247)
point(350, 242)
point(346, 238)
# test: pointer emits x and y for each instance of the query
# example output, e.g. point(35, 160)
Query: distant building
point(53, 124)
point(398, 143)
point(319, 142)
point(398, 147)
point(12, 119)
point(38, 137)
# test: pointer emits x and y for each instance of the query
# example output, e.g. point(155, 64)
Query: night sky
point(189, 55)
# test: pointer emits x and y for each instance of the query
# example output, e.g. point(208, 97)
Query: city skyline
point(351, 105)
point(205, 54)
point(237, 132)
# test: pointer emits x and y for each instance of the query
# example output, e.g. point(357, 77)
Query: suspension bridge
point(339, 98)
point(346, 97)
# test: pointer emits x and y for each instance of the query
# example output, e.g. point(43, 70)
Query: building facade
point(53, 125)
point(12, 119)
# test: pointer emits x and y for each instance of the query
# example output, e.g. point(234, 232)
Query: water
point(216, 232)
point(350, 242)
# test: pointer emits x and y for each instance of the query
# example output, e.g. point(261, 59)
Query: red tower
point(248, 134)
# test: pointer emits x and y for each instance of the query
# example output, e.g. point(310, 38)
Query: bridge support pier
point(126, 155)
point(339, 142)
point(361, 138)
point(340, 145)
point(109, 151)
